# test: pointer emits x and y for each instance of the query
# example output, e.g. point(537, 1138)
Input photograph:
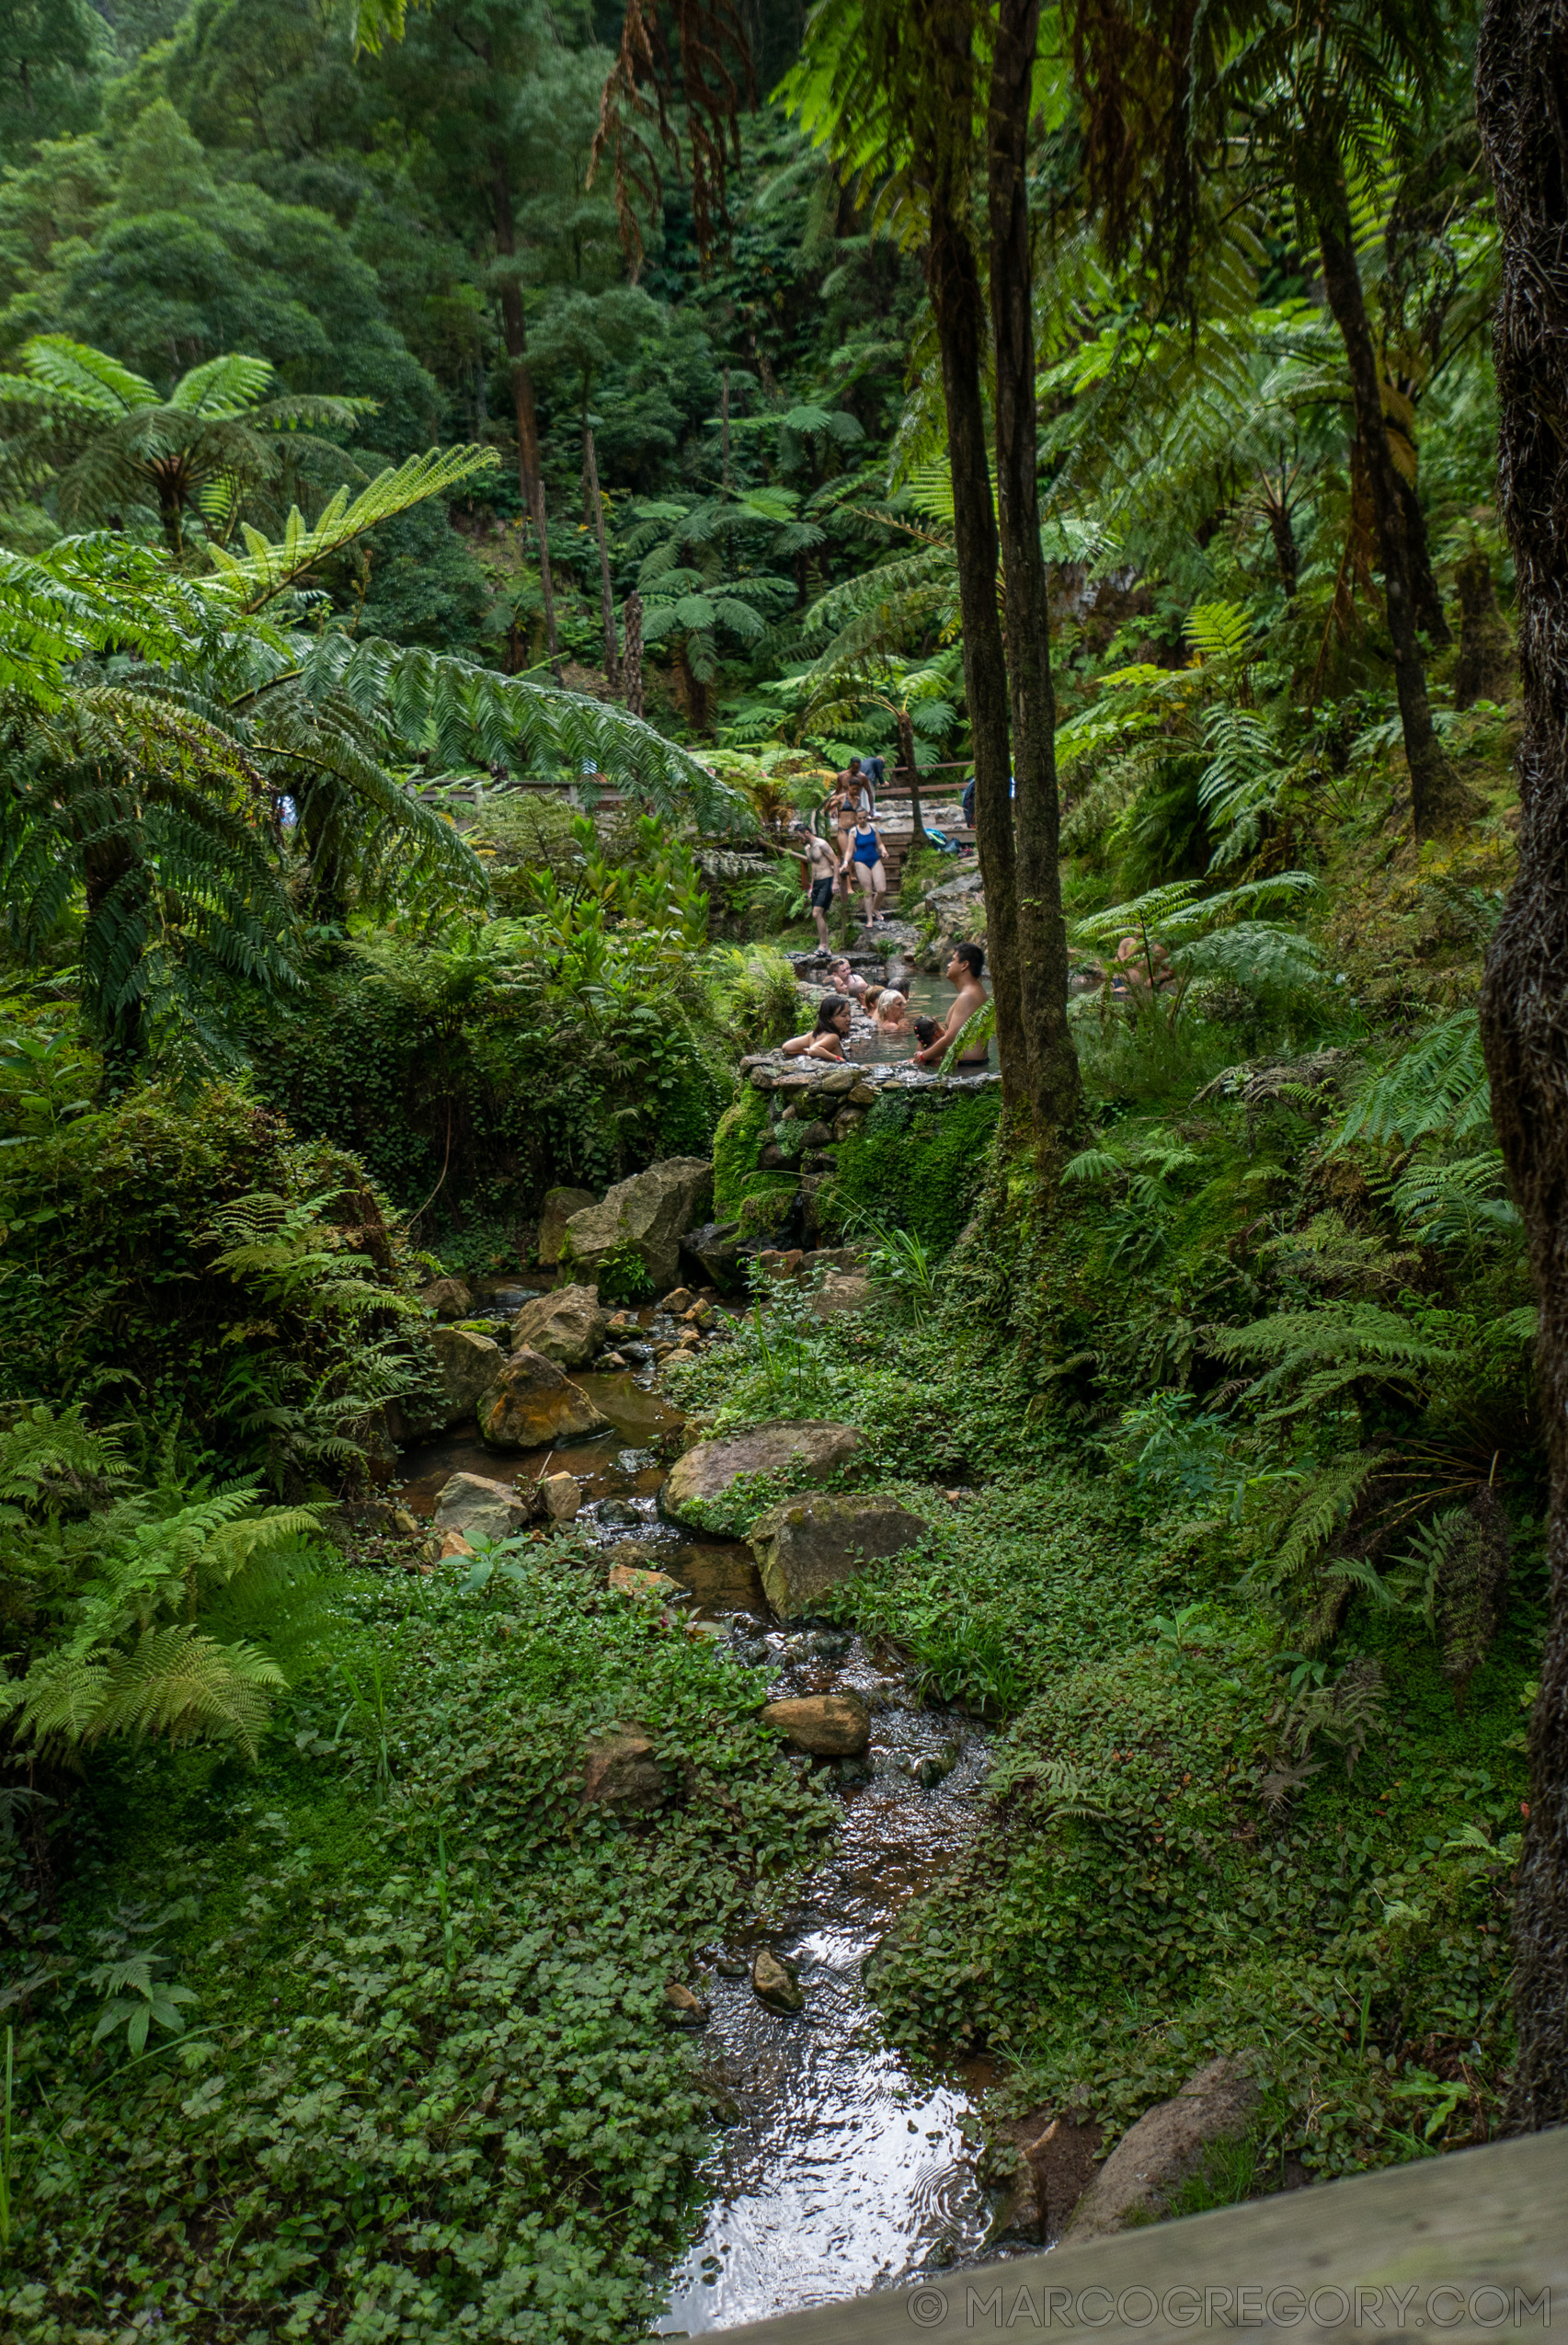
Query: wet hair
point(972, 955)
point(854, 766)
point(828, 1010)
point(926, 1032)
point(871, 995)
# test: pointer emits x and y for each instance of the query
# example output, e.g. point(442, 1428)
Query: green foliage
point(623, 1276)
point(328, 1917)
point(918, 1162)
point(124, 1587)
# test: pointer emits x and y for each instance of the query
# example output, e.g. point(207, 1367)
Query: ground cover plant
point(376, 2028)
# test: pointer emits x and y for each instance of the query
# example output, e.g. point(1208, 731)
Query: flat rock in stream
point(1167, 2143)
point(827, 1725)
point(806, 1449)
point(476, 1507)
point(805, 1546)
point(533, 1405)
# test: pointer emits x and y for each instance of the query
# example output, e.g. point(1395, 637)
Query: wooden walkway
point(1470, 2247)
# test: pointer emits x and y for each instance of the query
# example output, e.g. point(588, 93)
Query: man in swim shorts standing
point(824, 868)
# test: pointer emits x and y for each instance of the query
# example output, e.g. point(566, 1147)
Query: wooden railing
point(1470, 2247)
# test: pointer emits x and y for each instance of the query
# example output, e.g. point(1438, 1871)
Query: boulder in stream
point(827, 1725)
point(682, 2008)
point(532, 1405)
point(469, 1364)
point(477, 1508)
point(774, 1982)
point(1167, 2143)
point(649, 1213)
point(805, 1546)
point(562, 1494)
point(448, 1298)
point(554, 1215)
point(806, 1449)
point(568, 1326)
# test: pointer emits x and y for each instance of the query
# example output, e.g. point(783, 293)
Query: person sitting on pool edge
point(963, 974)
point(826, 1037)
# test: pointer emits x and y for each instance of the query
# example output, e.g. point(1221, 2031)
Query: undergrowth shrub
point(917, 1162)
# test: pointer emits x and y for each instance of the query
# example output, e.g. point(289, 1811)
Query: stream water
point(843, 2170)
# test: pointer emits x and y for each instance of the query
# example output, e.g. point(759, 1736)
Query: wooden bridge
point(1469, 2247)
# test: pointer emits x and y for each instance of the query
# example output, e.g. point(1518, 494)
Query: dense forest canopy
point(472, 478)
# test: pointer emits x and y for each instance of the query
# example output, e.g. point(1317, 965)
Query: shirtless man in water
point(963, 973)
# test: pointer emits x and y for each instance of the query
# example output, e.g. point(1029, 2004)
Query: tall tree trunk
point(1438, 797)
point(514, 332)
point(908, 767)
point(632, 653)
point(1054, 1086)
point(1522, 106)
point(952, 279)
point(724, 425)
point(606, 594)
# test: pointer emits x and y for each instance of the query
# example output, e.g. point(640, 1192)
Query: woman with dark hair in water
point(826, 1039)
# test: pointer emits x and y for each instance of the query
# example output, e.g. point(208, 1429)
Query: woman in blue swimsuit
point(862, 854)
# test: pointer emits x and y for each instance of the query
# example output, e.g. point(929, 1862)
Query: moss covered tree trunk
point(1522, 106)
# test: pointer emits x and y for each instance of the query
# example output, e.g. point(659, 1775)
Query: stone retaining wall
point(832, 1100)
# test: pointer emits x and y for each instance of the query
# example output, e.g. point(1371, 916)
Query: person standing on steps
point(823, 866)
point(964, 974)
point(864, 854)
point(853, 796)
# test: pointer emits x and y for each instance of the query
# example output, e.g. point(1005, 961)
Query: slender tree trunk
point(918, 838)
point(952, 279)
point(1522, 108)
point(1438, 799)
point(1054, 1086)
point(514, 332)
point(724, 425)
point(606, 595)
point(632, 653)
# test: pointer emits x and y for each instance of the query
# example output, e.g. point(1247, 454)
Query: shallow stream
point(844, 2171)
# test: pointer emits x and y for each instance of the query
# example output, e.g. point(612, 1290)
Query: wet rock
point(809, 1449)
point(843, 1291)
point(935, 1766)
point(731, 1966)
point(562, 1494)
point(555, 1212)
point(774, 1982)
point(647, 1213)
point(678, 1302)
point(714, 1249)
point(827, 1725)
point(625, 1323)
point(807, 1545)
point(638, 1552)
point(469, 1364)
point(452, 1543)
point(753, 1650)
point(568, 1326)
point(622, 1771)
point(1167, 2144)
point(627, 1579)
point(612, 1361)
point(478, 1508)
point(616, 1514)
point(684, 2009)
point(532, 1405)
point(448, 1298)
